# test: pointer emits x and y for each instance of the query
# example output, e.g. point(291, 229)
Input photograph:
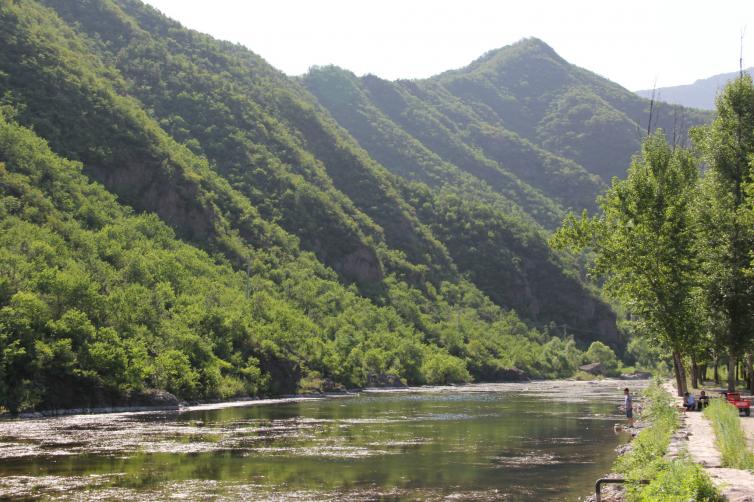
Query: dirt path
point(737, 485)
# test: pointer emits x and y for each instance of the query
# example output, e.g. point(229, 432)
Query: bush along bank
point(678, 479)
point(729, 436)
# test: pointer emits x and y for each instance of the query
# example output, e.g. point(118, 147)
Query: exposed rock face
point(590, 318)
point(154, 398)
point(104, 402)
point(578, 308)
point(593, 368)
point(606, 326)
point(384, 380)
point(329, 385)
point(362, 265)
point(143, 185)
point(512, 375)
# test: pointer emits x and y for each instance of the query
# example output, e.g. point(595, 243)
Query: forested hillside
point(534, 128)
point(508, 143)
point(179, 215)
point(99, 302)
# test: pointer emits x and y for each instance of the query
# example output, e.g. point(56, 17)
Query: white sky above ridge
point(630, 42)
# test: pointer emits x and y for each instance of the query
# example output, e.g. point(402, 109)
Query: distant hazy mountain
point(700, 94)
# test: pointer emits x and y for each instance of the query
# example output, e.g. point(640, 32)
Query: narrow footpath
point(696, 434)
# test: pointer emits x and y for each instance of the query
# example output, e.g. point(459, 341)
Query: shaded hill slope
point(98, 303)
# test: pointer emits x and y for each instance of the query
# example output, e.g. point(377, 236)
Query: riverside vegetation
point(675, 246)
point(729, 435)
point(177, 214)
point(679, 479)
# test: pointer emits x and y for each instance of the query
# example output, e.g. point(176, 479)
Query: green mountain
point(539, 131)
point(567, 110)
point(179, 215)
point(506, 145)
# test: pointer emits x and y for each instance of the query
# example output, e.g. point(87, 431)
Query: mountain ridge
point(699, 94)
point(456, 130)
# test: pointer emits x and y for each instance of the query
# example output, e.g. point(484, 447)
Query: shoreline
point(179, 408)
point(290, 398)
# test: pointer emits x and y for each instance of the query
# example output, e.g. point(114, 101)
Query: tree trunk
point(750, 372)
point(716, 372)
point(680, 373)
point(739, 372)
point(702, 373)
point(732, 370)
point(744, 374)
point(694, 373)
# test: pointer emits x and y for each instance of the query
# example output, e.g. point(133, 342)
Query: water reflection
point(539, 441)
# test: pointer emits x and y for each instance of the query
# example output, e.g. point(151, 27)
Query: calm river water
point(533, 441)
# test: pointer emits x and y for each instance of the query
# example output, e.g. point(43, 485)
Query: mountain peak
point(524, 49)
point(533, 43)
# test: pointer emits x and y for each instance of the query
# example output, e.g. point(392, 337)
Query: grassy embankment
point(670, 480)
point(729, 436)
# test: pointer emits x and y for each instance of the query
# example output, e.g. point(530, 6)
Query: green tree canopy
point(643, 244)
point(724, 219)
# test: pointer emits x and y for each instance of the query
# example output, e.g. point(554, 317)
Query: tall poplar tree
point(726, 235)
point(643, 245)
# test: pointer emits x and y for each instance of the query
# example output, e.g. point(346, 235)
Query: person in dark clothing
point(703, 401)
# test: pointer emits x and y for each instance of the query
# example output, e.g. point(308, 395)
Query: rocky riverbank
point(149, 400)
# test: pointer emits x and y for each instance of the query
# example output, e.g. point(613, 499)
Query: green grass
point(730, 437)
point(680, 480)
point(677, 480)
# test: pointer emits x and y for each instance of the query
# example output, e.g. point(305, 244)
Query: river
point(529, 441)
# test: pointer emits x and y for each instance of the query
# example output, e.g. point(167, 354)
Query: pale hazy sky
point(631, 42)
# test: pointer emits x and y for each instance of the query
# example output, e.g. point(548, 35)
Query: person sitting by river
point(689, 402)
point(703, 401)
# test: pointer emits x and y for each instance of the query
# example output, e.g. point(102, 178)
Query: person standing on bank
point(629, 405)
